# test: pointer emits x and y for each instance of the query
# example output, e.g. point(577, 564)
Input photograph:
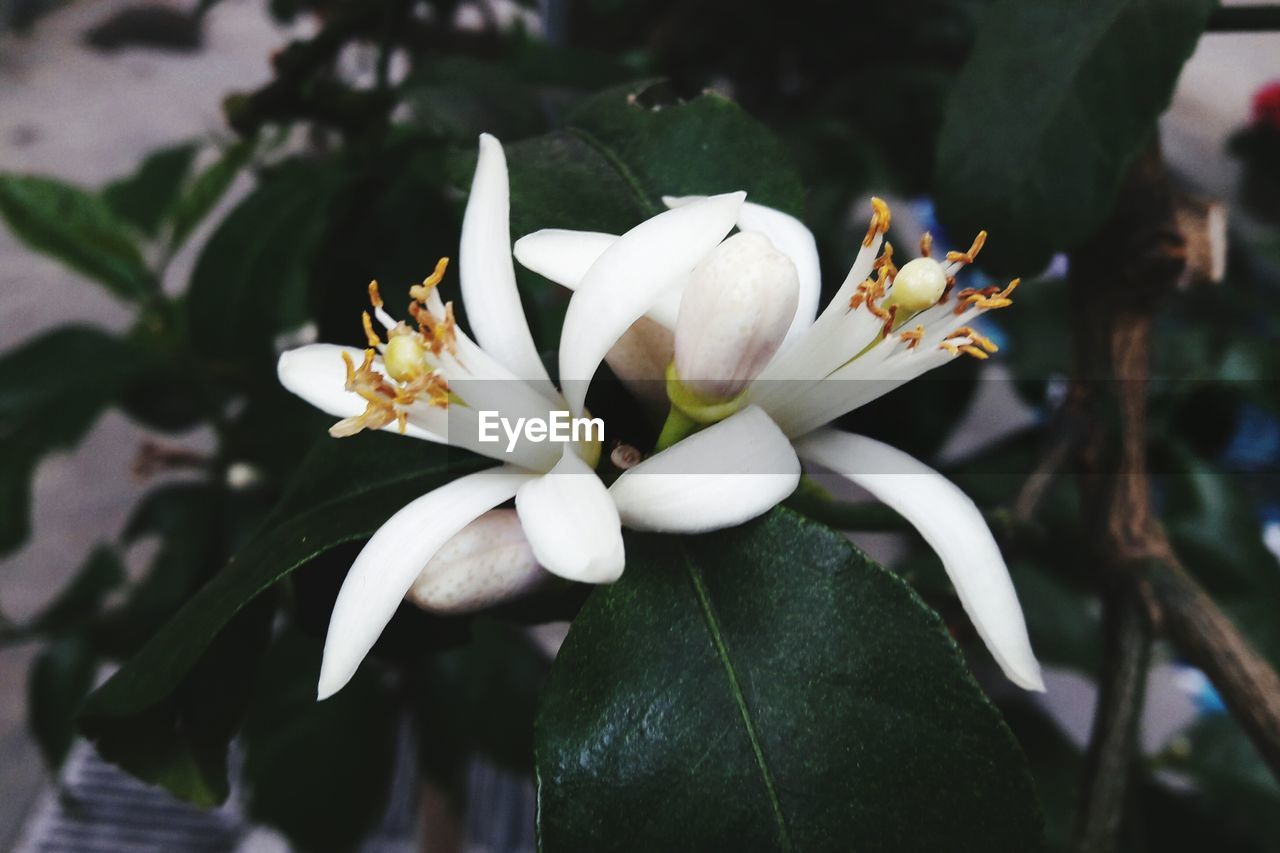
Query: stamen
point(987, 299)
point(879, 220)
point(884, 264)
point(969, 256)
point(912, 336)
point(979, 339)
point(926, 245)
point(420, 292)
point(966, 340)
point(369, 334)
point(375, 298)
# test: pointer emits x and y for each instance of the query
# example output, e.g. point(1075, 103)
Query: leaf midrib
point(735, 689)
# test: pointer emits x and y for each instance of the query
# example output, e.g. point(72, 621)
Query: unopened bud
point(486, 563)
point(734, 314)
point(917, 286)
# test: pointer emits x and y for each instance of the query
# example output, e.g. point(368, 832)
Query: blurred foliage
point(352, 163)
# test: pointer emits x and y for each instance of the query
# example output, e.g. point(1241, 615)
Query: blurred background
point(91, 91)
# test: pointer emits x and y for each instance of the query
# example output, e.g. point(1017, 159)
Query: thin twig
point(1115, 723)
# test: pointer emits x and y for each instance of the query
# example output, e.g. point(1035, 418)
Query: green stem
point(678, 426)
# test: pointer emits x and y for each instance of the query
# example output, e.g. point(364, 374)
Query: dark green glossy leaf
point(52, 389)
point(1053, 104)
point(78, 229)
point(59, 679)
point(769, 688)
point(143, 198)
point(459, 98)
point(707, 145)
point(251, 277)
point(342, 494)
point(317, 771)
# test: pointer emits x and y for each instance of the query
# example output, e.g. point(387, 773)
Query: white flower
point(883, 328)
point(430, 381)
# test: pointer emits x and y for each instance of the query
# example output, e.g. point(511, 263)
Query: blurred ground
point(84, 116)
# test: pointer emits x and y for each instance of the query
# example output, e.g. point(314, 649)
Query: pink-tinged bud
point(486, 563)
point(734, 314)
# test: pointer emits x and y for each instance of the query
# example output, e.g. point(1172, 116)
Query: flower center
point(918, 285)
point(409, 373)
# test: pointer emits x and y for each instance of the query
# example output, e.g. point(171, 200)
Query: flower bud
point(917, 286)
point(486, 563)
point(734, 314)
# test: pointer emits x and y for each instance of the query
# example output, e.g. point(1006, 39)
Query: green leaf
point(208, 188)
point(253, 272)
point(187, 519)
point(707, 145)
point(180, 742)
point(144, 197)
point(52, 389)
point(78, 229)
point(342, 494)
point(60, 677)
point(1052, 106)
point(317, 771)
point(459, 98)
point(770, 688)
point(80, 600)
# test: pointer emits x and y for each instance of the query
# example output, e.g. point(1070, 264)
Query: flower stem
point(678, 426)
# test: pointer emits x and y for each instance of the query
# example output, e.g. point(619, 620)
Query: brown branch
point(1137, 260)
point(1109, 764)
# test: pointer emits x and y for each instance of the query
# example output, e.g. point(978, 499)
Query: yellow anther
point(979, 339)
point(879, 220)
point(351, 370)
point(375, 298)
point(369, 334)
point(437, 275)
point(975, 352)
point(969, 256)
point(988, 299)
point(926, 245)
point(884, 264)
point(912, 336)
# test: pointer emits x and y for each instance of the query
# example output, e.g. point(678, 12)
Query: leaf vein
point(735, 688)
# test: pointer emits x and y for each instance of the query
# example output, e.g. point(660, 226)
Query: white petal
point(724, 475)
point(952, 525)
point(628, 278)
point(489, 561)
point(565, 256)
point(561, 255)
point(487, 275)
point(571, 523)
point(391, 561)
point(317, 374)
point(793, 239)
